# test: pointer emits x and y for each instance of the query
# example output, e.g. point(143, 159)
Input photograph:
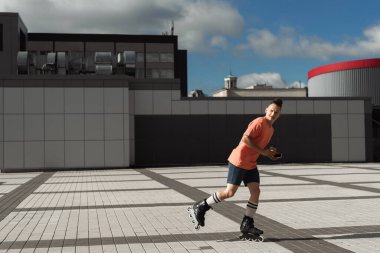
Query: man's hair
point(277, 101)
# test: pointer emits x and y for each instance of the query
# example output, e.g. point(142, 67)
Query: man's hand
point(272, 153)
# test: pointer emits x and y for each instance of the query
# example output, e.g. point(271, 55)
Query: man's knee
point(229, 193)
point(255, 190)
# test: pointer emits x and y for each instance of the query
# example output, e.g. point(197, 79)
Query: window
point(166, 57)
point(140, 73)
point(1, 37)
point(152, 57)
point(152, 73)
point(167, 73)
point(156, 57)
point(139, 57)
point(155, 73)
point(160, 73)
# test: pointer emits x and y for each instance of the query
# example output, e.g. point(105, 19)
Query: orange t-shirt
point(260, 132)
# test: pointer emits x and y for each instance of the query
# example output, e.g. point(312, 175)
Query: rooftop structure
point(257, 90)
point(357, 78)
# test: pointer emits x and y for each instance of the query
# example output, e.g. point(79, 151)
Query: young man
point(242, 167)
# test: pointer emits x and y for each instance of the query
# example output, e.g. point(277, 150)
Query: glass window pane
point(166, 57)
point(140, 57)
point(148, 73)
point(140, 73)
point(152, 57)
point(155, 73)
point(167, 73)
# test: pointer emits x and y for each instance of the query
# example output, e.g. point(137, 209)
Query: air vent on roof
point(61, 63)
point(130, 62)
point(120, 59)
point(103, 58)
point(103, 69)
point(127, 63)
point(103, 63)
point(51, 58)
point(75, 65)
point(50, 66)
point(130, 59)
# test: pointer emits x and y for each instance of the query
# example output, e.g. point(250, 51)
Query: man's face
point(272, 112)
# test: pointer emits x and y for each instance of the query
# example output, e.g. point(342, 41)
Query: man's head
point(273, 111)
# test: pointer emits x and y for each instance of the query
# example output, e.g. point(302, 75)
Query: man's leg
point(217, 197)
point(229, 192)
point(248, 223)
point(200, 208)
point(252, 180)
point(233, 181)
point(253, 202)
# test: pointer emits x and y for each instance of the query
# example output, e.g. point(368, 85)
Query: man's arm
point(264, 152)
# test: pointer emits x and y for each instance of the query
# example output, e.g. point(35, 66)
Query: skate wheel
point(188, 209)
point(260, 239)
point(197, 227)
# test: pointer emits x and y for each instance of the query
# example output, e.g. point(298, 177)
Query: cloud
point(209, 22)
point(200, 25)
point(269, 78)
point(219, 41)
point(287, 43)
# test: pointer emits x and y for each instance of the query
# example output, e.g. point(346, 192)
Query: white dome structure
point(358, 78)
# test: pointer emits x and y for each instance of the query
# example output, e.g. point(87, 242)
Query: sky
point(273, 41)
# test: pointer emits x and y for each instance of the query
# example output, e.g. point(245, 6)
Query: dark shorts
point(236, 175)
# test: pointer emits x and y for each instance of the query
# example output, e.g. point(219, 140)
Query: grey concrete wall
point(52, 126)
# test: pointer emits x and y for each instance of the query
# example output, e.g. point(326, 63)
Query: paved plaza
point(304, 208)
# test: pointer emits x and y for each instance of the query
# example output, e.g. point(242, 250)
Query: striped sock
point(213, 199)
point(251, 209)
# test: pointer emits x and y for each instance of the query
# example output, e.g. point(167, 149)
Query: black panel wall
point(1, 37)
point(209, 139)
point(303, 138)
